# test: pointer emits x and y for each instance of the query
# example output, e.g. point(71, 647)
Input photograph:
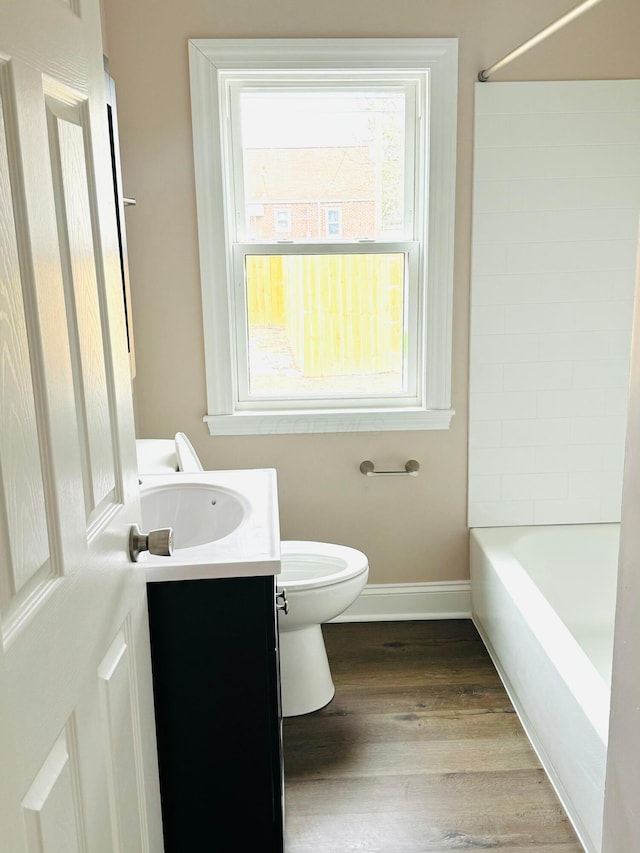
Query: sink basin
point(225, 523)
point(198, 512)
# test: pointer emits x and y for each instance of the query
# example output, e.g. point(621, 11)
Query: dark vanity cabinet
point(214, 651)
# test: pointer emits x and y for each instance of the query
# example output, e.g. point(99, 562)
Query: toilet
point(321, 581)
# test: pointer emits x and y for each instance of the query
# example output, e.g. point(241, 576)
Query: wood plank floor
point(420, 751)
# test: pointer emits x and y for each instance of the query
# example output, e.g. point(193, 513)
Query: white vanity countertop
point(252, 549)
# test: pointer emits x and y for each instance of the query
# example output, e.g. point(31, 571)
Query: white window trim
point(208, 59)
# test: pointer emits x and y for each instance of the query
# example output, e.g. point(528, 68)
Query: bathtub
point(543, 600)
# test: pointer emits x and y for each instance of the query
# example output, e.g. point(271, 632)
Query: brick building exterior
point(310, 193)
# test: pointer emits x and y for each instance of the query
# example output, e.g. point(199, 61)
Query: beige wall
point(413, 529)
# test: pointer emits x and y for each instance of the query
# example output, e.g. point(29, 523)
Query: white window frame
point(212, 63)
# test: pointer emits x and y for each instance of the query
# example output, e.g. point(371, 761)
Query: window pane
point(322, 151)
point(326, 324)
point(334, 222)
point(283, 221)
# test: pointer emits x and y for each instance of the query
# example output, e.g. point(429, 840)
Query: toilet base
point(306, 682)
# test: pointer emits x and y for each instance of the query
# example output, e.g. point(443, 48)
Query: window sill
point(336, 420)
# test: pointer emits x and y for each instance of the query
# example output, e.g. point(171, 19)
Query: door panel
point(52, 808)
point(31, 568)
point(119, 725)
point(25, 546)
point(75, 234)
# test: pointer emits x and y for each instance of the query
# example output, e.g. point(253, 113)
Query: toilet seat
point(309, 565)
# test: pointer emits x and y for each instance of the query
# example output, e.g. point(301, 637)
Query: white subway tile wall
point(555, 233)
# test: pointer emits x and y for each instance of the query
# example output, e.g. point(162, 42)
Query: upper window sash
point(415, 89)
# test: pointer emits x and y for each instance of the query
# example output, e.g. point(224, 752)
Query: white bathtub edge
point(396, 602)
point(531, 734)
point(577, 671)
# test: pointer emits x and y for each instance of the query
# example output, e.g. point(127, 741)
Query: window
point(325, 186)
point(334, 222)
point(282, 220)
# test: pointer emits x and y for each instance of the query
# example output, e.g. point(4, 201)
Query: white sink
point(225, 523)
point(198, 512)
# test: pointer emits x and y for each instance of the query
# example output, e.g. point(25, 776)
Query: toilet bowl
point(321, 581)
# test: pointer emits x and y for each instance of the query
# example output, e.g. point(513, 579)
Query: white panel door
point(78, 766)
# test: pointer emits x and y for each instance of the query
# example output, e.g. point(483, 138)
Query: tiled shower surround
point(556, 215)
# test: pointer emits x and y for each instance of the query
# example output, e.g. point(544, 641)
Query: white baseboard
point(393, 602)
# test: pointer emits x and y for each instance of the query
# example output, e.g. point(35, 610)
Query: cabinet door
point(216, 687)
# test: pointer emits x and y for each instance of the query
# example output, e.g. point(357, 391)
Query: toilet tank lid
point(156, 455)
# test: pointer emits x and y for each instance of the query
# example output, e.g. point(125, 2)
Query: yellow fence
point(341, 314)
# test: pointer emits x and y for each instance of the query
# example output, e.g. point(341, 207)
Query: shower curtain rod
point(483, 76)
